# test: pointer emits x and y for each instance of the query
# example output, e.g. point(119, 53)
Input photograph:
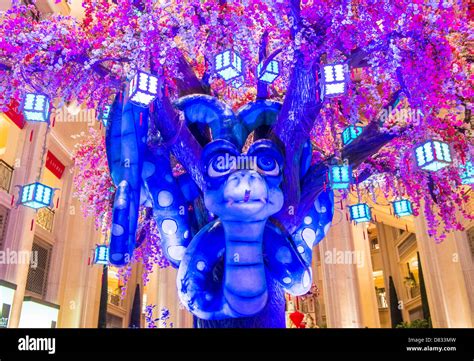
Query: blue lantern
point(433, 155)
point(467, 175)
point(104, 115)
point(340, 176)
point(270, 73)
point(143, 89)
point(101, 254)
point(335, 79)
point(360, 213)
point(228, 65)
point(402, 208)
point(36, 107)
point(237, 82)
point(351, 133)
point(36, 195)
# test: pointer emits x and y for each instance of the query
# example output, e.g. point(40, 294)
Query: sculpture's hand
point(126, 144)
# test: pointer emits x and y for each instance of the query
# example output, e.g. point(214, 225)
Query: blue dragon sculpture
point(230, 265)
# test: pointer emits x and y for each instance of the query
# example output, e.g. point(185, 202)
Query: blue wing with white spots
point(289, 257)
point(125, 143)
point(170, 207)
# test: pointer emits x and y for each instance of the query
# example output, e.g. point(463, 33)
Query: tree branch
point(315, 180)
point(177, 138)
point(292, 128)
point(189, 82)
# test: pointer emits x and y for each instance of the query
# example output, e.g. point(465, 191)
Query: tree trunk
point(272, 316)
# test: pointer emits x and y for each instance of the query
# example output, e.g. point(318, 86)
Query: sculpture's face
point(243, 187)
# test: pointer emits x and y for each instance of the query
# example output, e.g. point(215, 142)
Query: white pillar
point(448, 275)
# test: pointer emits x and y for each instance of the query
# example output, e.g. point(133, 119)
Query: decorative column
point(76, 273)
point(20, 233)
point(348, 285)
point(368, 300)
point(161, 291)
point(448, 273)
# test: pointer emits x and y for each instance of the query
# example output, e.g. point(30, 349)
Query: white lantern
point(143, 89)
point(36, 107)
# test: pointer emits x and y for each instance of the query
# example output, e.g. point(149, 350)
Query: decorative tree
point(342, 63)
point(395, 313)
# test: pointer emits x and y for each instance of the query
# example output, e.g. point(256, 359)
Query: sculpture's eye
point(268, 165)
point(219, 166)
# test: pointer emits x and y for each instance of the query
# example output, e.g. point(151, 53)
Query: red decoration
point(297, 319)
point(54, 165)
point(14, 114)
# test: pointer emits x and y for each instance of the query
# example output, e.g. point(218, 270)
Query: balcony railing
point(114, 299)
point(45, 219)
point(6, 174)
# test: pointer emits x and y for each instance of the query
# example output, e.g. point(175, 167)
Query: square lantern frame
point(228, 65)
point(101, 254)
point(36, 195)
point(270, 73)
point(35, 107)
point(402, 208)
point(143, 89)
point(340, 176)
point(350, 133)
point(335, 78)
point(360, 213)
point(104, 115)
point(433, 155)
point(467, 173)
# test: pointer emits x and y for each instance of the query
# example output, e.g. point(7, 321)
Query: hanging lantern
point(101, 254)
point(467, 175)
point(351, 133)
point(36, 107)
point(143, 89)
point(340, 176)
point(335, 79)
point(270, 73)
point(237, 82)
point(360, 213)
point(402, 208)
point(104, 115)
point(228, 65)
point(433, 155)
point(36, 195)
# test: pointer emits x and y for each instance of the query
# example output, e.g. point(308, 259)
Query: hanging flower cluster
point(151, 320)
point(93, 185)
